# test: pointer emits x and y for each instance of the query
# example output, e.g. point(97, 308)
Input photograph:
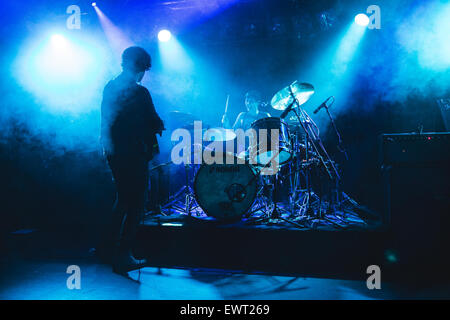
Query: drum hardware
point(157, 210)
point(290, 99)
point(308, 211)
point(266, 203)
point(185, 193)
point(312, 139)
point(272, 214)
point(335, 202)
point(261, 204)
point(340, 144)
point(310, 205)
point(232, 191)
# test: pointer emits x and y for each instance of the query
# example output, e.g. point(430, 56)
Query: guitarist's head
point(135, 61)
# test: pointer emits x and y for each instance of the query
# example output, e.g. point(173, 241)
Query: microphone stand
point(340, 142)
point(313, 138)
point(341, 149)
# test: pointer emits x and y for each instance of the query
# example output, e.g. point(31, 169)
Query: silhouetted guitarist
point(129, 124)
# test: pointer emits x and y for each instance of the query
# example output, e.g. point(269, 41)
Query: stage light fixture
point(362, 19)
point(164, 35)
point(94, 4)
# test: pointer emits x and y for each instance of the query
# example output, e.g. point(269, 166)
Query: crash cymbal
point(283, 98)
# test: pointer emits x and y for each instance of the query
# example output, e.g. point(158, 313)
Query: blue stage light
point(61, 71)
point(164, 35)
point(174, 56)
point(94, 4)
point(362, 20)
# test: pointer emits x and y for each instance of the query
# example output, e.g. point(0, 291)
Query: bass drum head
point(222, 192)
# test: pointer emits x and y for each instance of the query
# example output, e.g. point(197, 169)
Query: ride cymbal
point(300, 91)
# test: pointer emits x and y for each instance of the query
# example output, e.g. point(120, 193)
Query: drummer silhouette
point(244, 120)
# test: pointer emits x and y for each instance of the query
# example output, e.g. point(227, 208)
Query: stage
point(282, 248)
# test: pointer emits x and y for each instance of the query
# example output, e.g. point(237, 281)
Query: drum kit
point(304, 189)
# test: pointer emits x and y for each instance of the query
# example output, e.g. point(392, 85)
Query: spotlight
point(361, 19)
point(58, 41)
point(164, 35)
point(94, 4)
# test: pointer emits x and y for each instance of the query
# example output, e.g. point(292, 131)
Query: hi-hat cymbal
point(283, 98)
point(185, 120)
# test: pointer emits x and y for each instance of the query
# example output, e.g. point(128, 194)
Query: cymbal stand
point(312, 139)
point(275, 215)
point(185, 193)
point(272, 215)
point(293, 176)
point(315, 141)
point(261, 202)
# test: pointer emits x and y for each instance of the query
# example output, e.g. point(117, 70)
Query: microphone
point(324, 105)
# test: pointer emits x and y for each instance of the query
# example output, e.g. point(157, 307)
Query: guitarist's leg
point(132, 194)
point(112, 225)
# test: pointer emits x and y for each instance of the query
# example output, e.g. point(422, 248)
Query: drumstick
point(226, 104)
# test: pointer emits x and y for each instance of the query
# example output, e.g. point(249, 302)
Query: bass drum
point(225, 191)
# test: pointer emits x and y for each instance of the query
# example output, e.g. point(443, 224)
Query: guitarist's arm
point(154, 125)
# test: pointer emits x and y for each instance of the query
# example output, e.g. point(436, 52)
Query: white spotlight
point(164, 35)
point(361, 19)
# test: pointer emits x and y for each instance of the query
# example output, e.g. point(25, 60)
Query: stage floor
point(306, 264)
point(46, 279)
